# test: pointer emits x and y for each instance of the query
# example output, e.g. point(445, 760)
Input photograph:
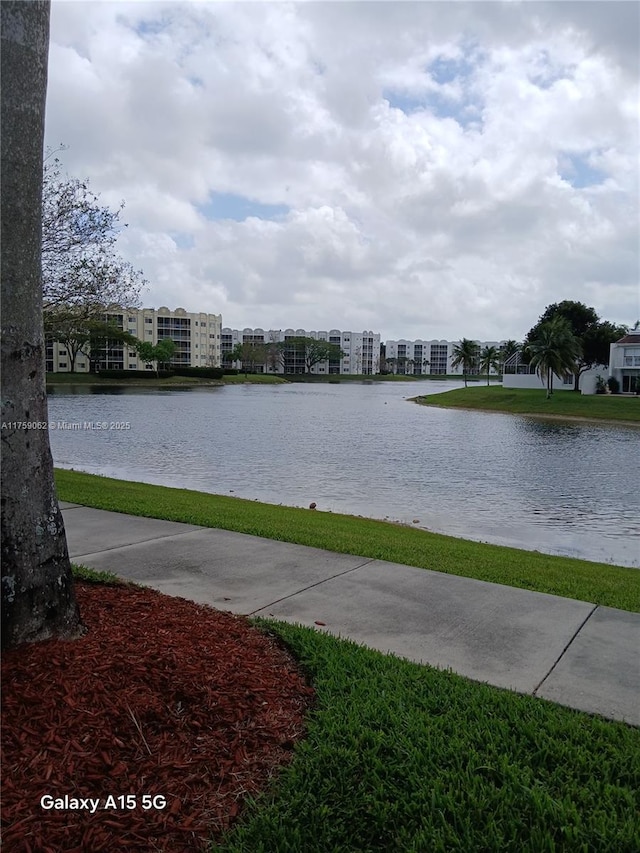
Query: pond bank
point(567, 405)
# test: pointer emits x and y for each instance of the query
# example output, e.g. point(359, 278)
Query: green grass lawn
point(254, 379)
point(151, 381)
point(523, 401)
point(403, 758)
point(614, 586)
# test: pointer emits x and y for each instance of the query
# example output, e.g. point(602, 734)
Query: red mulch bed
point(160, 697)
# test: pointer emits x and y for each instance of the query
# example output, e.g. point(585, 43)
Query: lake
point(364, 449)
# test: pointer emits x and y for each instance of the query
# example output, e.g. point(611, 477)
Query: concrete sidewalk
point(571, 652)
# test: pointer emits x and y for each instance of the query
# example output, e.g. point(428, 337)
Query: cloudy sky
point(424, 170)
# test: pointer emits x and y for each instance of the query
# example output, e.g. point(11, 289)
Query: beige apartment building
point(197, 337)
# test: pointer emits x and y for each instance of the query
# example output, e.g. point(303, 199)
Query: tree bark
point(38, 599)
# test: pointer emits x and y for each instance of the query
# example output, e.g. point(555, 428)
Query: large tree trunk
point(38, 599)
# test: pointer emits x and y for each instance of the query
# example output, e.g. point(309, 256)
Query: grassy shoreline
point(563, 405)
point(55, 380)
point(599, 583)
point(67, 380)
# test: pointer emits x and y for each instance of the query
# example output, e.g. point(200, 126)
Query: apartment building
point(624, 362)
point(361, 350)
point(431, 358)
point(197, 337)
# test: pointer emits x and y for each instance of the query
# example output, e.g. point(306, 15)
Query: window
point(132, 366)
point(148, 319)
point(62, 365)
point(82, 364)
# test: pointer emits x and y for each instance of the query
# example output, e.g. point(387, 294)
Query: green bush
point(614, 385)
point(201, 372)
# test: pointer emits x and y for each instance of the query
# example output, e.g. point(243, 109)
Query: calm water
point(364, 449)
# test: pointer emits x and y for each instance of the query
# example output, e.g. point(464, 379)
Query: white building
point(431, 358)
point(197, 337)
point(624, 362)
point(520, 374)
point(361, 350)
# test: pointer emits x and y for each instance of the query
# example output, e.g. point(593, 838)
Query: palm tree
point(466, 354)
point(489, 358)
point(554, 351)
point(508, 348)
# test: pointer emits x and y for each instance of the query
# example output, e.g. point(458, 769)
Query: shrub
point(202, 372)
point(614, 385)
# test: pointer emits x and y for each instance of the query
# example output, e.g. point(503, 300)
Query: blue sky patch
point(182, 240)
point(465, 113)
point(407, 103)
point(547, 72)
point(151, 27)
point(239, 208)
point(444, 69)
point(576, 170)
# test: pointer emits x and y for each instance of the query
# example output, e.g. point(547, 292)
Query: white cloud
point(449, 169)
